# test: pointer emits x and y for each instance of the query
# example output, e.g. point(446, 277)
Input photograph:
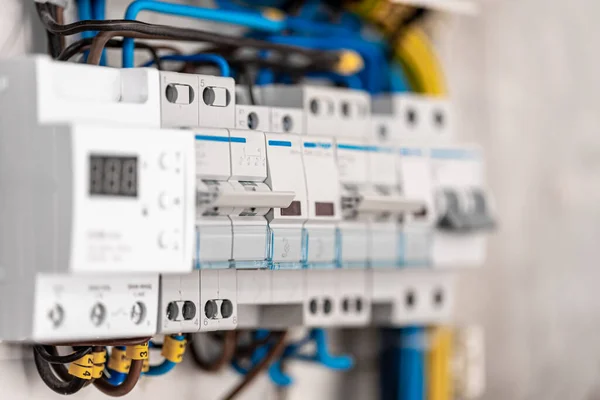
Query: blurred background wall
point(523, 75)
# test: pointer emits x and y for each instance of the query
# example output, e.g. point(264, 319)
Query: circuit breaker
point(309, 210)
point(94, 203)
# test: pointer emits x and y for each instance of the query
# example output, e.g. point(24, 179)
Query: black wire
point(78, 46)
point(50, 379)
point(248, 81)
point(54, 44)
point(328, 58)
point(55, 359)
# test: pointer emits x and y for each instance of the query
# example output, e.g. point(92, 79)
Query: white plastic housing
point(216, 287)
point(179, 307)
point(50, 92)
point(458, 168)
point(152, 231)
point(411, 296)
point(287, 120)
point(327, 111)
point(286, 174)
point(94, 306)
point(323, 192)
point(253, 118)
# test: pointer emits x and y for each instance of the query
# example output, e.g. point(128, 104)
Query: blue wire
point(351, 22)
point(84, 12)
point(247, 19)
point(411, 379)
point(116, 378)
point(398, 81)
point(166, 366)
point(310, 9)
point(157, 370)
point(214, 58)
point(298, 24)
point(265, 77)
point(99, 9)
point(230, 5)
point(321, 356)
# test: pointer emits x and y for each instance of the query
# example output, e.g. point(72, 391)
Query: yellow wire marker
point(137, 352)
point(349, 63)
point(82, 368)
point(99, 359)
point(118, 361)
point(146, 365)
point(173, 349)
point(273, 14)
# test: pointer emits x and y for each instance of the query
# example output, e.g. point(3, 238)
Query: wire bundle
point(86, 365)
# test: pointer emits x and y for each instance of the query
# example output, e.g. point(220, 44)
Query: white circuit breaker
point(286, 173)
point(92, 207)
point(201, 301)
point(464, 209)
point(155, 202)
point(458, 215)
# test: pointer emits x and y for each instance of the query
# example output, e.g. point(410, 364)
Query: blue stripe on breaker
point(453, 154)
point(407, 151)
point(359, 147)
point(227, 139)
point(314, 145)
point(280, 143)
point(356, 147)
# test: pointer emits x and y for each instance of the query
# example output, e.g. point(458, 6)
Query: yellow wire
point(415, 52)
point(439, 374)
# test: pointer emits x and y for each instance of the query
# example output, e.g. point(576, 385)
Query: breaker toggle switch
point(179, 94)
point(254, 199)
point(241, 195)
point(216, 96)
point(464, 212)
point(377, 204)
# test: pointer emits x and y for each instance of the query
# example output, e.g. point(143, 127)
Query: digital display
point(324, 209)
point(294, 210)
point(113, 176)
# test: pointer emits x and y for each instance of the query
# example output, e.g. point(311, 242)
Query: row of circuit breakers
point(137, 202)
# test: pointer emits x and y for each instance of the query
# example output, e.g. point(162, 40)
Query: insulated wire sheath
point(438, 363)
point(212, 58)
point(325, 59)
point(273, 353)
point(128, 384)
point(229, 348)
point(56, 384)
point(85, 44)
point(415, 52)
point(103, 38)
point(245, 19)
point(56, 359)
